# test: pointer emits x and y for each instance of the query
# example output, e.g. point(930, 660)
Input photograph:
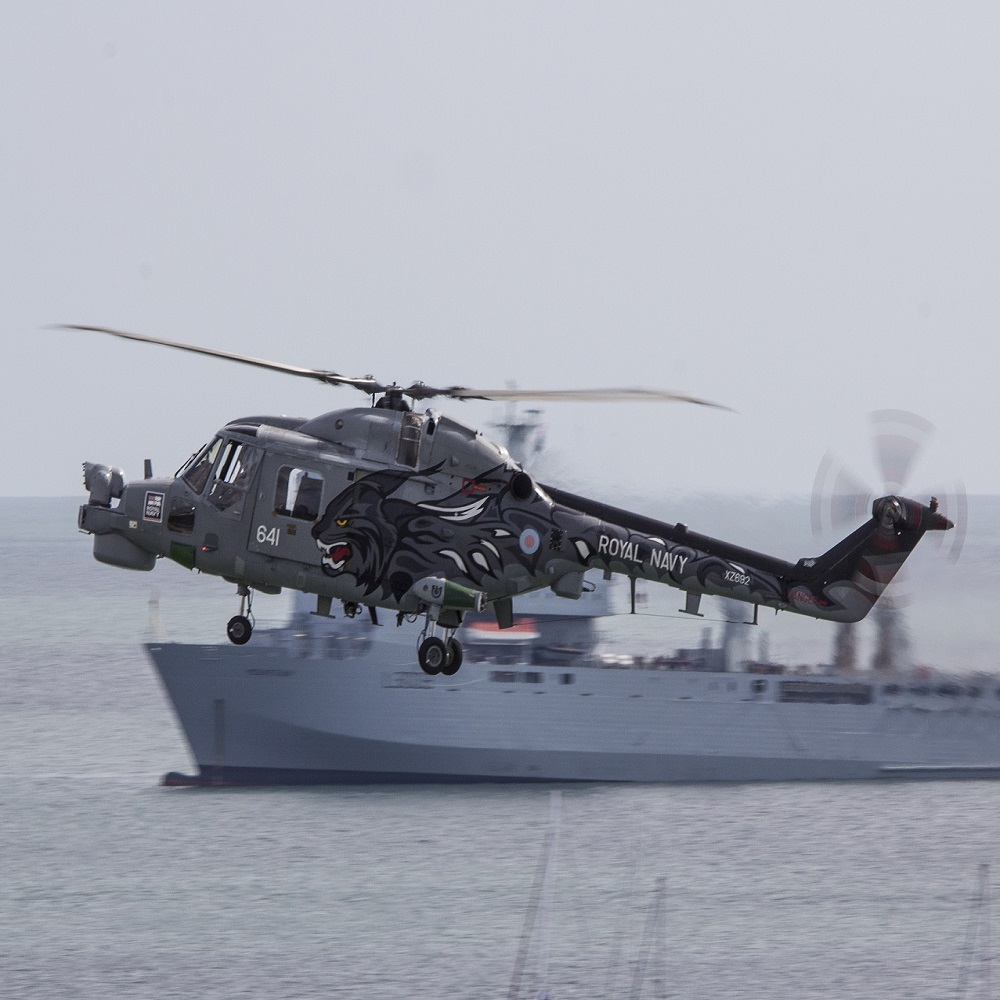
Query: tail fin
point(844, 583)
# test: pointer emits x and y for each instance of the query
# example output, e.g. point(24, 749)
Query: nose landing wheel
point(239, 629)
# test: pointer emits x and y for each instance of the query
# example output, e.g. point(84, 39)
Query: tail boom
point(840, 585)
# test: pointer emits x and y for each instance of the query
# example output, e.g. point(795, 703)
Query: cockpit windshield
point(196, 470)
point(233, 474)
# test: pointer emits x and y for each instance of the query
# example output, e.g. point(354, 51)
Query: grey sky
point(789, 208)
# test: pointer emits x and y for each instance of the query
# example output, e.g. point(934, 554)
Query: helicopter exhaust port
point(522, 486)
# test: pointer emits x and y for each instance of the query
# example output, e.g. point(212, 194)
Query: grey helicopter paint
point(416, 513)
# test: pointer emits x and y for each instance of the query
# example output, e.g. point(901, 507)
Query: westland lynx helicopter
point(386, 507)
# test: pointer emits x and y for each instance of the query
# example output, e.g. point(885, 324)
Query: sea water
point(112, 886)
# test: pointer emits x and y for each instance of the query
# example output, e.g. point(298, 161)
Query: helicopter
point(385, 507)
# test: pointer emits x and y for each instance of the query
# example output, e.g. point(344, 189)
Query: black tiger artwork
point(387, 543)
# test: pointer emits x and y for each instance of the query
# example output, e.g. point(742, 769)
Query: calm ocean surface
point(111, 886)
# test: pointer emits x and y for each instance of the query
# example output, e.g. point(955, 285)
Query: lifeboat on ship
point(485, 640)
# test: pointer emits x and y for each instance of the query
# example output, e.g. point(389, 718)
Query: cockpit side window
point(181, 516)
point(197, 469)
point(236, 467)
point(298, 493)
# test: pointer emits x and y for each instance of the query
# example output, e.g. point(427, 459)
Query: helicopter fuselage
point(418, 513)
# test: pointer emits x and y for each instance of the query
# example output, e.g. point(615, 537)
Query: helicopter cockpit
point(234, 463)
point(196, 470)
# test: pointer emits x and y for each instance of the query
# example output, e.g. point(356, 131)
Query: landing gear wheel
point(239, 629)
point(454, 660)
point(433, 655)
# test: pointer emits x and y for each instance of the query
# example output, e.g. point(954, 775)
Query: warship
point(343, 702)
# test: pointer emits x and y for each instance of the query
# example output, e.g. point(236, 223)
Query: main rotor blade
point(369, 384)
point(418, 390)
point(637, 394)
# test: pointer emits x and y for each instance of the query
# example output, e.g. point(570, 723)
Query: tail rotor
point(842, 499)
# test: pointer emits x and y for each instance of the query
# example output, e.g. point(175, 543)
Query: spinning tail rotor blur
point(841, 498)
point(899, 438)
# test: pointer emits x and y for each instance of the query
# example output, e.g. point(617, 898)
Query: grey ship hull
point(298, 709)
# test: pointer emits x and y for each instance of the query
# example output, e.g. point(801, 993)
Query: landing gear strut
point(440, 656)
point(240, 627)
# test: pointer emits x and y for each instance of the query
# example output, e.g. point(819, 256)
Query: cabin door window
point(298, 493)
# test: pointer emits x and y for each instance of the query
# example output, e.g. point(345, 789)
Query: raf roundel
point(529, 541)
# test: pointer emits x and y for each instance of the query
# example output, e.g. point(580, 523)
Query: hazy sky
point(793, 209)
